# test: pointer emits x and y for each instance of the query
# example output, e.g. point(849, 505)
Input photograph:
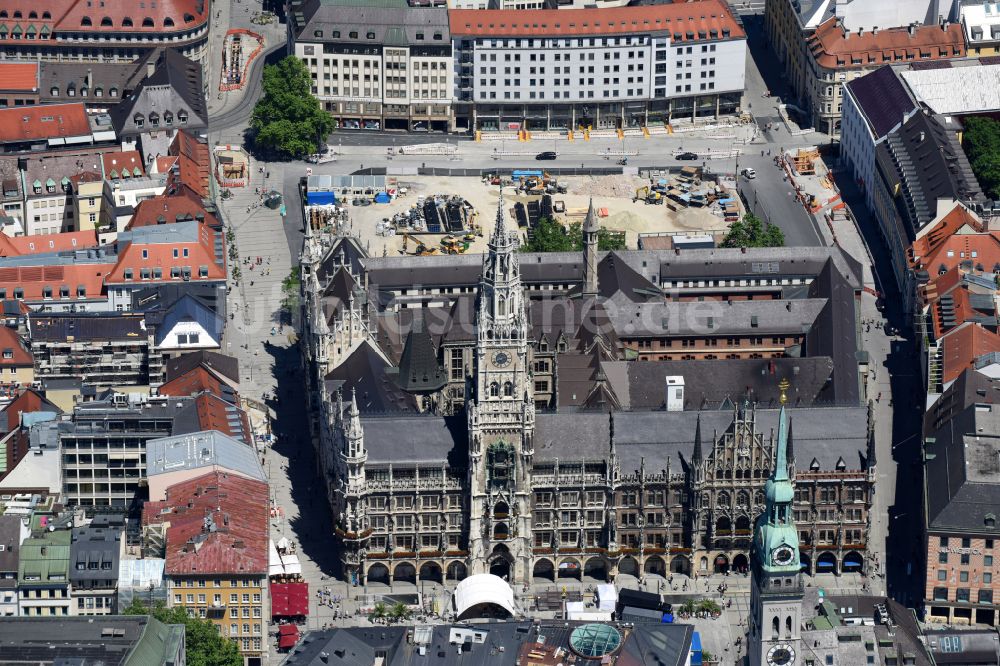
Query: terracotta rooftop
point(48, 16)
point(14, 352)
point(957, 219)
point(963, 345)
point(188, 246)
point(19, 76)
point(14, 246)
point(194, 381)
point(23, 123)
point(834, 48)
point(705, 20)
point(215, 413)
point(122, 165)
point(185, 204)
point(193, 162)
point(83, 281)
point(217, 525)
point(164, 162)
point(27, 401)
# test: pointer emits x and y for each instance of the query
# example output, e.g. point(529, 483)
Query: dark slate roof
point(666, 645)
point(416, 438)
point(54, 327)
point(176, 85)
point(924, 158)
point(69, 75)
point(962, 478)
point(616, 277)
point(708, 383)
point(226, 366)
point(10, 539)
point(365, 373)
point(392, 26)
point(834, 334)
point(165, 295)
point(419, 370)
point(94, 554)
point(882, 98)
point(824, 435)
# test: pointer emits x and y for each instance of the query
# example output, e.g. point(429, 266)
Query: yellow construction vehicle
point(641, 193)
point(451, 245)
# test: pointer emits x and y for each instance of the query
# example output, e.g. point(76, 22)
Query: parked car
point(686, 156)
point(749, 173)
point(547, 155)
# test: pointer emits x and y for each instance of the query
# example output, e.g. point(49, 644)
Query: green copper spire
point(776, 542)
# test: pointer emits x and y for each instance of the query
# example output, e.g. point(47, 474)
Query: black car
point(687, 156)
point(547, 155)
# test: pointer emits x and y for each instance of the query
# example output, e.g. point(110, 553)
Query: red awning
point(289, 599)
point(288, 639)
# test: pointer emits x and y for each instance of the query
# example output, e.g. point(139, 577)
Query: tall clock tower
point(501, 413)
point(776, 572)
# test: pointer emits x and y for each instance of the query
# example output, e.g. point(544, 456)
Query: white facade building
point(379, 68)
point(596, 68)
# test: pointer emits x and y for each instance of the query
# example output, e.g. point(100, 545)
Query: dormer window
point(128, 274)
point(168, 118)
point(84, 92)
point(148, 23)
point(353, 34)
point(32, 14)
point(50, 185)
point(17, 13)
point(127, 22)
point(113, 91)
point(318, 34)
point(154, 119)
point(370, 35)
point(138, 120)
point(98, 92)
point(188, 18)
point(182, 117)
point(8, 353)
point(47, 15)
point(3, 14)
point(54, 91)
point(168, 22)
point(106, 22)
point(85, 21)
point(71, 91)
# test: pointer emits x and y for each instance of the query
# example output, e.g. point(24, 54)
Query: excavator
point(421, 250)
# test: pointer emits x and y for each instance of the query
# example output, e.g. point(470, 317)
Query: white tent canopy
point(483, 595)
point(607, 597)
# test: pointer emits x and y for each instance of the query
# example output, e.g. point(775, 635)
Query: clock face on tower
point(782, 555)
point(781, 655)
point(501, 359)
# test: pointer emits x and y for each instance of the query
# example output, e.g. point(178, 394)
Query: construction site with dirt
point(424, 215)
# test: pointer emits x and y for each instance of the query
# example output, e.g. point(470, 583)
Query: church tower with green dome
point(776, 589)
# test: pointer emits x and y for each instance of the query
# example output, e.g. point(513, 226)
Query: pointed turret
point(353, 433)
point(591, 227)
point(696, 454)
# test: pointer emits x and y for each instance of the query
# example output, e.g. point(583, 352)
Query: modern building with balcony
point(95, 553)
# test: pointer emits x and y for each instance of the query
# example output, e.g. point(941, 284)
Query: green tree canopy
point(981, 141)
point(551, 236)
point(203, 645)
point(288, 120)
point(752, 232)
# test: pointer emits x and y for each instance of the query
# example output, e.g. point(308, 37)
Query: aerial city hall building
point(495, 417)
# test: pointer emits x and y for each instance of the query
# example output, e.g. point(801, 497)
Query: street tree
point(551, 236)
point(203, 645)
point(981, 141)
point(752, 232)
point(288, 120)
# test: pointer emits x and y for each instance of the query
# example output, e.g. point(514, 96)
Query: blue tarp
point(382, 197)
point(526, 173)
point(695, 649)
point(320, 198)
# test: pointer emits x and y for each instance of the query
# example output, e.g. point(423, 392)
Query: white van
point(749, 173)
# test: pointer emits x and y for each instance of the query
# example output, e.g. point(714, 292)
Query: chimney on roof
point(150, 67)
point(922, 135)
point(912, 29)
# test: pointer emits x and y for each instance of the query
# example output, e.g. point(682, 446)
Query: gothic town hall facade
point(487, 478)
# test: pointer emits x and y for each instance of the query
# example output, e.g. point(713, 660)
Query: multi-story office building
point(378, 67)
point(214, 531)
point(85, 30)
point(596, 68)
point(617, 471)
point(95, 553)
point(12, 532)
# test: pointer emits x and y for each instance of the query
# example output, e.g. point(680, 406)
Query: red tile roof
point(165, 209)
point(48, 121)
point(27, 401)
point(69, 240)
point(19, 76)
point(193, 162)
point(213, 414)
point(164, 162)
point(33, 280)
point(11, 343)
point(169, 16)
point(237, 509)
point(161, 255)
point(704, 20)
point(958, 218)
point(962, 345)
point(195, 381)
point(117, 165)
point(834, 48)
